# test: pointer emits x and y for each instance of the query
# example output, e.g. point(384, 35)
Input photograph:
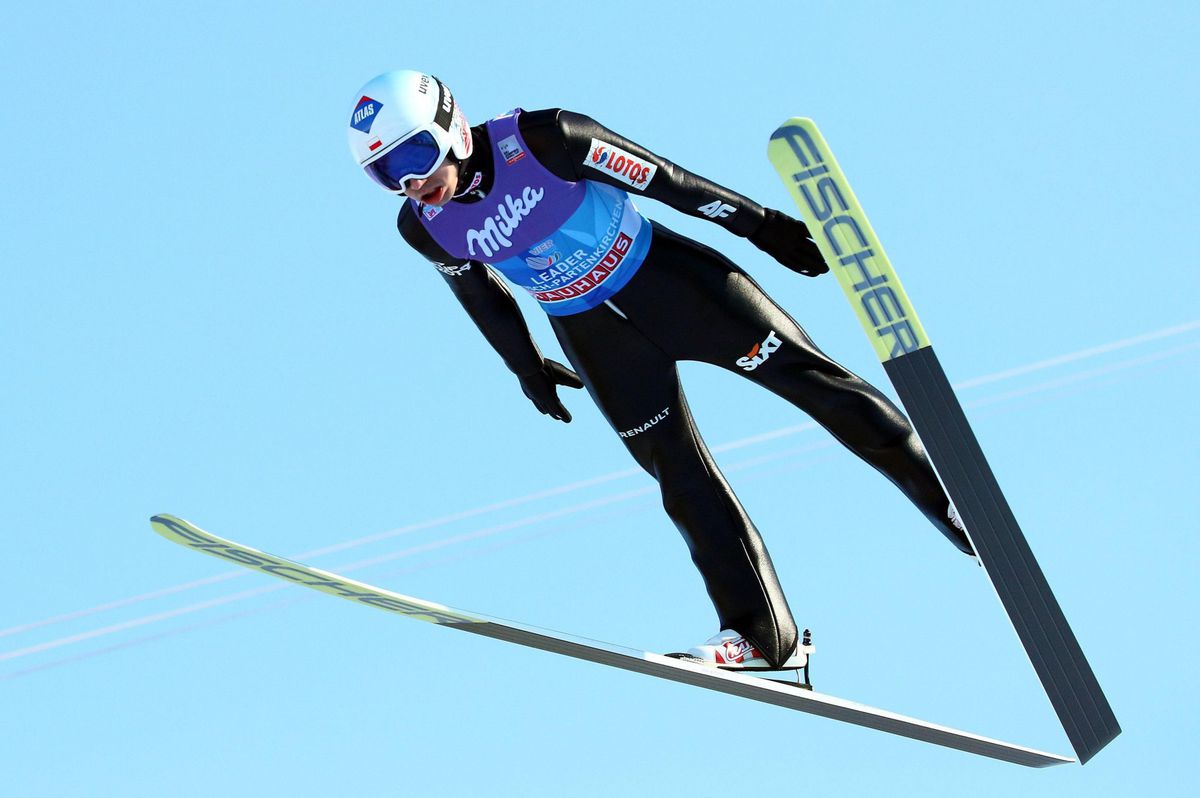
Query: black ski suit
point(687, 302)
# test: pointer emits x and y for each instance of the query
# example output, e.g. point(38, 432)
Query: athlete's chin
point(436, 197)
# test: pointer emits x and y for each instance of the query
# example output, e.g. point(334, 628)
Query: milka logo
point(496, 230)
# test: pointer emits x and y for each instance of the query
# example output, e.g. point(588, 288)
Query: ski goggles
point(414, 158)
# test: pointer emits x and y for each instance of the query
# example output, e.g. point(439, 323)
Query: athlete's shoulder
point(540, 128)
point(417, 236)
point(408, 222)
point(553, 122)
point(558, 138)
point(543, 117)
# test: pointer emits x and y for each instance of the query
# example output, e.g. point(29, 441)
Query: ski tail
point(845, 237)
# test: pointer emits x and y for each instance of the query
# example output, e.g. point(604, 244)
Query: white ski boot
point(730, 651)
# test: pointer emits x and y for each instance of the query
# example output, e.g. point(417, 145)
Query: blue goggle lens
point(414, 158)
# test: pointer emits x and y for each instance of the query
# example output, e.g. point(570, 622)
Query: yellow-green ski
point(845, 237)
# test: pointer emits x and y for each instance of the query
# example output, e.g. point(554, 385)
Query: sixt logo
point(364, 114)
point(624, 166)
point(882, 301)
point(761, 353)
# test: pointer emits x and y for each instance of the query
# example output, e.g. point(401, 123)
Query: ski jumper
point(549, 207)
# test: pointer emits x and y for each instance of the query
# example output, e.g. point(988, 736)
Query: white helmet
point(404, 126)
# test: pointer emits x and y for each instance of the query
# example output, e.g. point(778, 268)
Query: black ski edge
point(1057, 658)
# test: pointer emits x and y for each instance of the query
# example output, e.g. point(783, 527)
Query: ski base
point(1057, 658)
point(658, 665)
point(852, 250)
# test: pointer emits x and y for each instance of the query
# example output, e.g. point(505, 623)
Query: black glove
point(787, 240)
point(541, 390)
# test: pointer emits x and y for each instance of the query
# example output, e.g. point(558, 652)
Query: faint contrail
point(146, 619)
point(342, 569)
point(604, 478)
point(1080, 355)
point(1086, 375)
point(523, 522)
point(125, 602)
point(301, 596)
point(346, 568)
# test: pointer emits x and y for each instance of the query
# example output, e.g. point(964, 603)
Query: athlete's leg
point(721, 316)
point(637, 388)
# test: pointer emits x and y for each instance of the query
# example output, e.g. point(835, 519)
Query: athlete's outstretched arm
point(577, 147)
point(492, 307)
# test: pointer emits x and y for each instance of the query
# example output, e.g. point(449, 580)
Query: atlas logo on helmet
point(364, 114)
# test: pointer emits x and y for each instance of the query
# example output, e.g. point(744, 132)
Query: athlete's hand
point(788, 241)
point(542, 388)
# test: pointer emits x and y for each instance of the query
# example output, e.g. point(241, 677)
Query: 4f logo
point(760, 353)
point(717, 210)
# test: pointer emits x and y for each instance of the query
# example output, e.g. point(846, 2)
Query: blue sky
point(207, 311)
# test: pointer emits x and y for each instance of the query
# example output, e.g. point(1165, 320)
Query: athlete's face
point(438, 188)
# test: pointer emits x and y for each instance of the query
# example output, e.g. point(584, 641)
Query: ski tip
point(791, 123)
point(168, 525)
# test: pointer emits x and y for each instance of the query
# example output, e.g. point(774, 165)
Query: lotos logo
point(616, 162)
point(364, 114)
point(761, 353)
point(496, 230)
